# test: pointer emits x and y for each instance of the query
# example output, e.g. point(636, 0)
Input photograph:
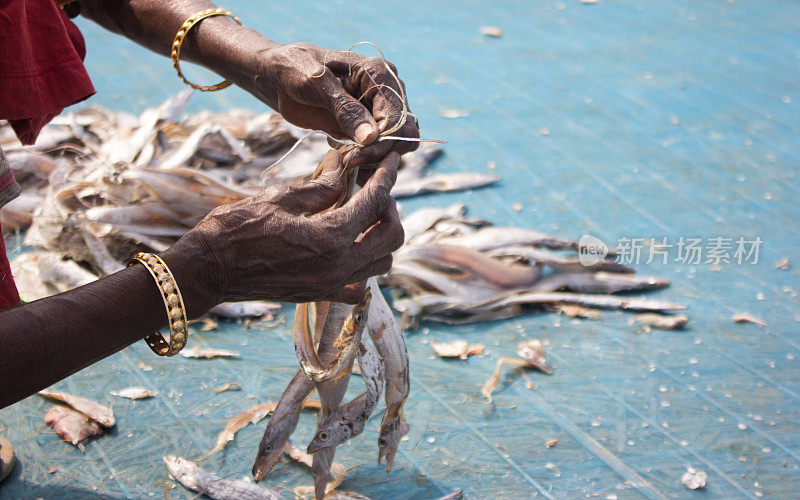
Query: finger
point(377, 81)
point(322, 192)
point(367, 205)
point(374, 153)
point(353, 118)
point(380, 266)
point(350, 294)
point(383, 238)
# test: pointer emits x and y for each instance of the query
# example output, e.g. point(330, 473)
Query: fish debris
point(230, 386)
point(136, 392)
point(91, 409)
point(662, 321)
point(73, 426)
point(456, 349)
point(694, 479)
point(533, 356)
point(492, 31)
point(748, 318)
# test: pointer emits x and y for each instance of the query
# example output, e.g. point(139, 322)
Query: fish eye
point(323, 436)
point(359, 317)
point(268, 448)
point(382, 442)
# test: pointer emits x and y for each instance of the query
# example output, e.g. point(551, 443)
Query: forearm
point(47, 340)
point(217, 43)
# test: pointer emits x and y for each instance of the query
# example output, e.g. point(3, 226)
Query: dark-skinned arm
point(310, 86)
point(264, 247)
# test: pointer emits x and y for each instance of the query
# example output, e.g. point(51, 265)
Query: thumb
point(322, 192)
point(353, 118)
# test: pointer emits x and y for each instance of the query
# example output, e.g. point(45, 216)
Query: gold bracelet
point(173, 301)
point(176, 46)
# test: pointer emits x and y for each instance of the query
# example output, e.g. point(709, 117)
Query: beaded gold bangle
point(173, 301)
point(176, 46)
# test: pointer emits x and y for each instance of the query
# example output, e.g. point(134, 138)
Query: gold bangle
point(173, 301)
point(176, 46)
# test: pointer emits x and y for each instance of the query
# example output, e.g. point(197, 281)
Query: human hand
point(279, 245)
point(339, 92)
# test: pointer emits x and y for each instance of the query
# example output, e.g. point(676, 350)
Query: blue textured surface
point(666, 119)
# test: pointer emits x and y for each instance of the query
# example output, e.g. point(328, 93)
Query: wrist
point(194, 272)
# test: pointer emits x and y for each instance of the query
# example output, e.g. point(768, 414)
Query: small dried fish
point(748, 318)
point(230, 386)
point(662, 321)
point(442, 183)
point(250, 416)
point(456, 349)
point(195, 478)
point(95, 411)
point(349, 420)
point(694, 479)
point(134, 393)
point(599, 282)
point(282, 424)
point(74, 427)
point(574, 311)
point(200, 353)
point(249, 309)
point(456, 495)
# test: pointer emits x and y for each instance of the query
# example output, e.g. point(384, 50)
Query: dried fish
point(599, 282)
point(93, 410)
point(230, 386)
point(573, 311)
point(662, 321)
point(456, 349)
point(250, 309)
point(195, 478)
point(442, 183)
point(748, 318)
point(456, 495)
point(250, 416)
point(74, 427)
point(134, 393)
point(388, 340)
point(200, 353)
point(349, 420)
point(694, 479)
point(282, 424)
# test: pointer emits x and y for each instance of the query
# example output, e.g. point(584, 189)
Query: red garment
point(41, 65)
point(8, 290)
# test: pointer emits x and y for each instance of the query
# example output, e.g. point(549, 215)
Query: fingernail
point(363, 132)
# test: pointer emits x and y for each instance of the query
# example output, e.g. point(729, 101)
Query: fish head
point(389, 439)
point(331, 434)
point(270, 450)
point(357, 318)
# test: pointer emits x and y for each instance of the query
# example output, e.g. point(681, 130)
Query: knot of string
point(384, 135)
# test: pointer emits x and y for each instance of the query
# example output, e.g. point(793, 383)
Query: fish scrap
point(91, 409)
point(73, 426)
point(533, 356)
point(136, 392)
point(456, 349)
point(200, 353)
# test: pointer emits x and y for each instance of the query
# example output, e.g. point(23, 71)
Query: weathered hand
point(342, 93)
point(278, 246)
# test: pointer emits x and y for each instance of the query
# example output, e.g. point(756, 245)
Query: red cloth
point(41, 65)
point(8, 290)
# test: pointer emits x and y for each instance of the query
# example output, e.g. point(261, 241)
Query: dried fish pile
point(457, 269)
point(100, 185)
